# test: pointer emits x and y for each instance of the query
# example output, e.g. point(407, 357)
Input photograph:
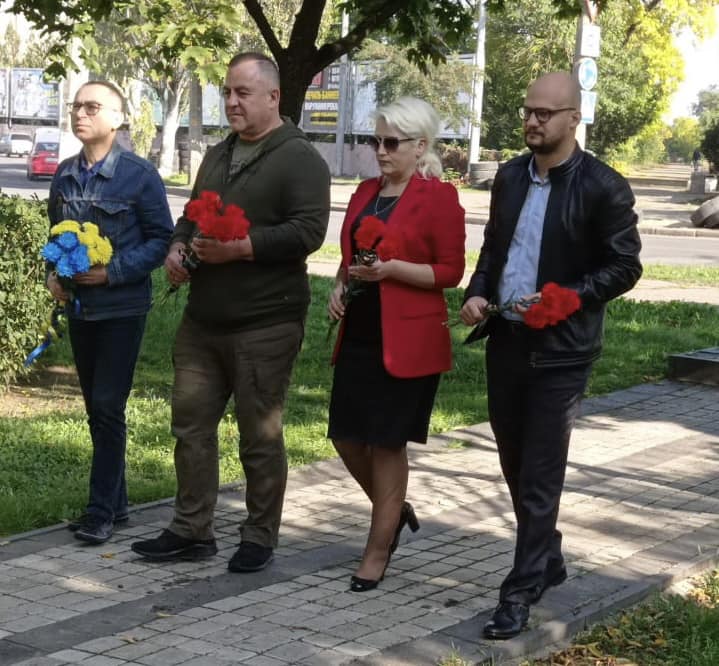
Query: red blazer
point(415, 337)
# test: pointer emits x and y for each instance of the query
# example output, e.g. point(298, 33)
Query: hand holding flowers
point(77, 255)
point(377, 245)
point(218, 225)
point(546, 308)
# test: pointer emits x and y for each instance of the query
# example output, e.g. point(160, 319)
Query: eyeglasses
point(542, 115)
point(390, 143)
point(91, 108)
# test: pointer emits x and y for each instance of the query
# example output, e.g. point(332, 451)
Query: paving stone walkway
point(640, 510)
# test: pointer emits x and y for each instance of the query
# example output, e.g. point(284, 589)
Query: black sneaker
point(250, 557)
point(75, 524)
point(94, 530)
point(171, 546)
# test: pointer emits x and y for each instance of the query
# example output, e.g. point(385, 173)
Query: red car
point(43, 159)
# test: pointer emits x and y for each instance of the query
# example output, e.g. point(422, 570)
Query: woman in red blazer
point(393, 341)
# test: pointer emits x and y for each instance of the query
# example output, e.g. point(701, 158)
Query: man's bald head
point(561, 87)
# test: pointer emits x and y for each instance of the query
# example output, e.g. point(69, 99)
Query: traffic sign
point(587, 73)
point(589, 42)
point(589, 102)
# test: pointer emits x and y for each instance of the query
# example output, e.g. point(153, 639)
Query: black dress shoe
point(250, 557)
point(171, 546)
point(76, 523)
point(507, 621)
point(406, 517)
point(94, 530)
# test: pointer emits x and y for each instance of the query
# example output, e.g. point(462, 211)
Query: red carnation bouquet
point(374, 239)
point(554, 305)
point(214, 220)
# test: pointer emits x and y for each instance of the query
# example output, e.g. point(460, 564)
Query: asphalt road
point(670, 250)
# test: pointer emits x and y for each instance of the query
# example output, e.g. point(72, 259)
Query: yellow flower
point(91, 228)
point(100, 252)
point(65, 225)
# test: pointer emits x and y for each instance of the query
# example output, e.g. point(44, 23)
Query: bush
point(24, 301)
point(453, 156)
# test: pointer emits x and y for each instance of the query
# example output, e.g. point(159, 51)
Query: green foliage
point(24, 300)
point(646, 147)
point(710, 145)
point(639, 67)
point(142, 129)
point(395, 75)
point(685, 136)
point(707, 106)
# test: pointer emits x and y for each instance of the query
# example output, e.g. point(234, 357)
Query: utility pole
point(478, 85)
point(585, 66)
point(342, 104)
point(195, 129)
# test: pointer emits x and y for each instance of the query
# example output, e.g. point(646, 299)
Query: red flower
point(390, 247)
point(207, 213)
point(369, 231)
point(556, 304)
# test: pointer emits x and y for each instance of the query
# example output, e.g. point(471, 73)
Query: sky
point(701, 69)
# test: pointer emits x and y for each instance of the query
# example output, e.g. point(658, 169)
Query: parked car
point(43, 159)
point(15, 144)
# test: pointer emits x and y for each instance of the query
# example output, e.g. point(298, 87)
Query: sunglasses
point(390, 143)
point(91, 108)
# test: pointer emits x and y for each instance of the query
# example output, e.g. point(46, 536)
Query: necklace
point(384, 209)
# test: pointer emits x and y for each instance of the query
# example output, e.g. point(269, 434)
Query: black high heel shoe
point(358, 584)
point(406, 517)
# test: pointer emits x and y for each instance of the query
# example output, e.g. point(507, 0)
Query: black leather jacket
point(590, 243)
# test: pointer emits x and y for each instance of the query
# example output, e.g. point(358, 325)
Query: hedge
point(25, 303)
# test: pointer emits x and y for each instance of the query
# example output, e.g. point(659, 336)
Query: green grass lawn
point(43, 478)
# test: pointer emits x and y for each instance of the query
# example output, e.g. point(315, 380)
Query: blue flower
point(67, 240)
point(79, 259)
point(51, 252)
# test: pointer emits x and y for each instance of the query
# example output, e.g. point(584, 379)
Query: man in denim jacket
point(124, 195)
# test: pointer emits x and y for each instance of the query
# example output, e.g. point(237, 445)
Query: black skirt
point(370, 406)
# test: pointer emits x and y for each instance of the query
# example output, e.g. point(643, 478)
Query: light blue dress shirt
point(519, 277)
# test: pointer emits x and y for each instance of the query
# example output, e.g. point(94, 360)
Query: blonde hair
point(418, 120)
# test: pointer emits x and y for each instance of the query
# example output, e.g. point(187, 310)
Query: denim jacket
point(127, 200)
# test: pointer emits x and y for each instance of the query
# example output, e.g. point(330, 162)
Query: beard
point(540, 144)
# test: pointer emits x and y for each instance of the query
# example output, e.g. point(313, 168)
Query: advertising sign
point(32, 97)
point(4, 106)
point(322, 102)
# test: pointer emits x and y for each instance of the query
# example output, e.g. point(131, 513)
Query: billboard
point(4, 80)
point(322, 102)
point(31, 97)
point(321, 105)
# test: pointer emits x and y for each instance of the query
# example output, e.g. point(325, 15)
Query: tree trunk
point(171, 121)
point(295, 78)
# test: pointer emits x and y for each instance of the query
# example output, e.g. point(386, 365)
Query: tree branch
point(307, 25)
point(329, 52)
point(254, 9)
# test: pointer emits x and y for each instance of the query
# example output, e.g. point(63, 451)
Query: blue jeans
point(105, 353)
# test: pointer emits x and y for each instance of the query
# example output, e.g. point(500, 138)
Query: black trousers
point(532, 411)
